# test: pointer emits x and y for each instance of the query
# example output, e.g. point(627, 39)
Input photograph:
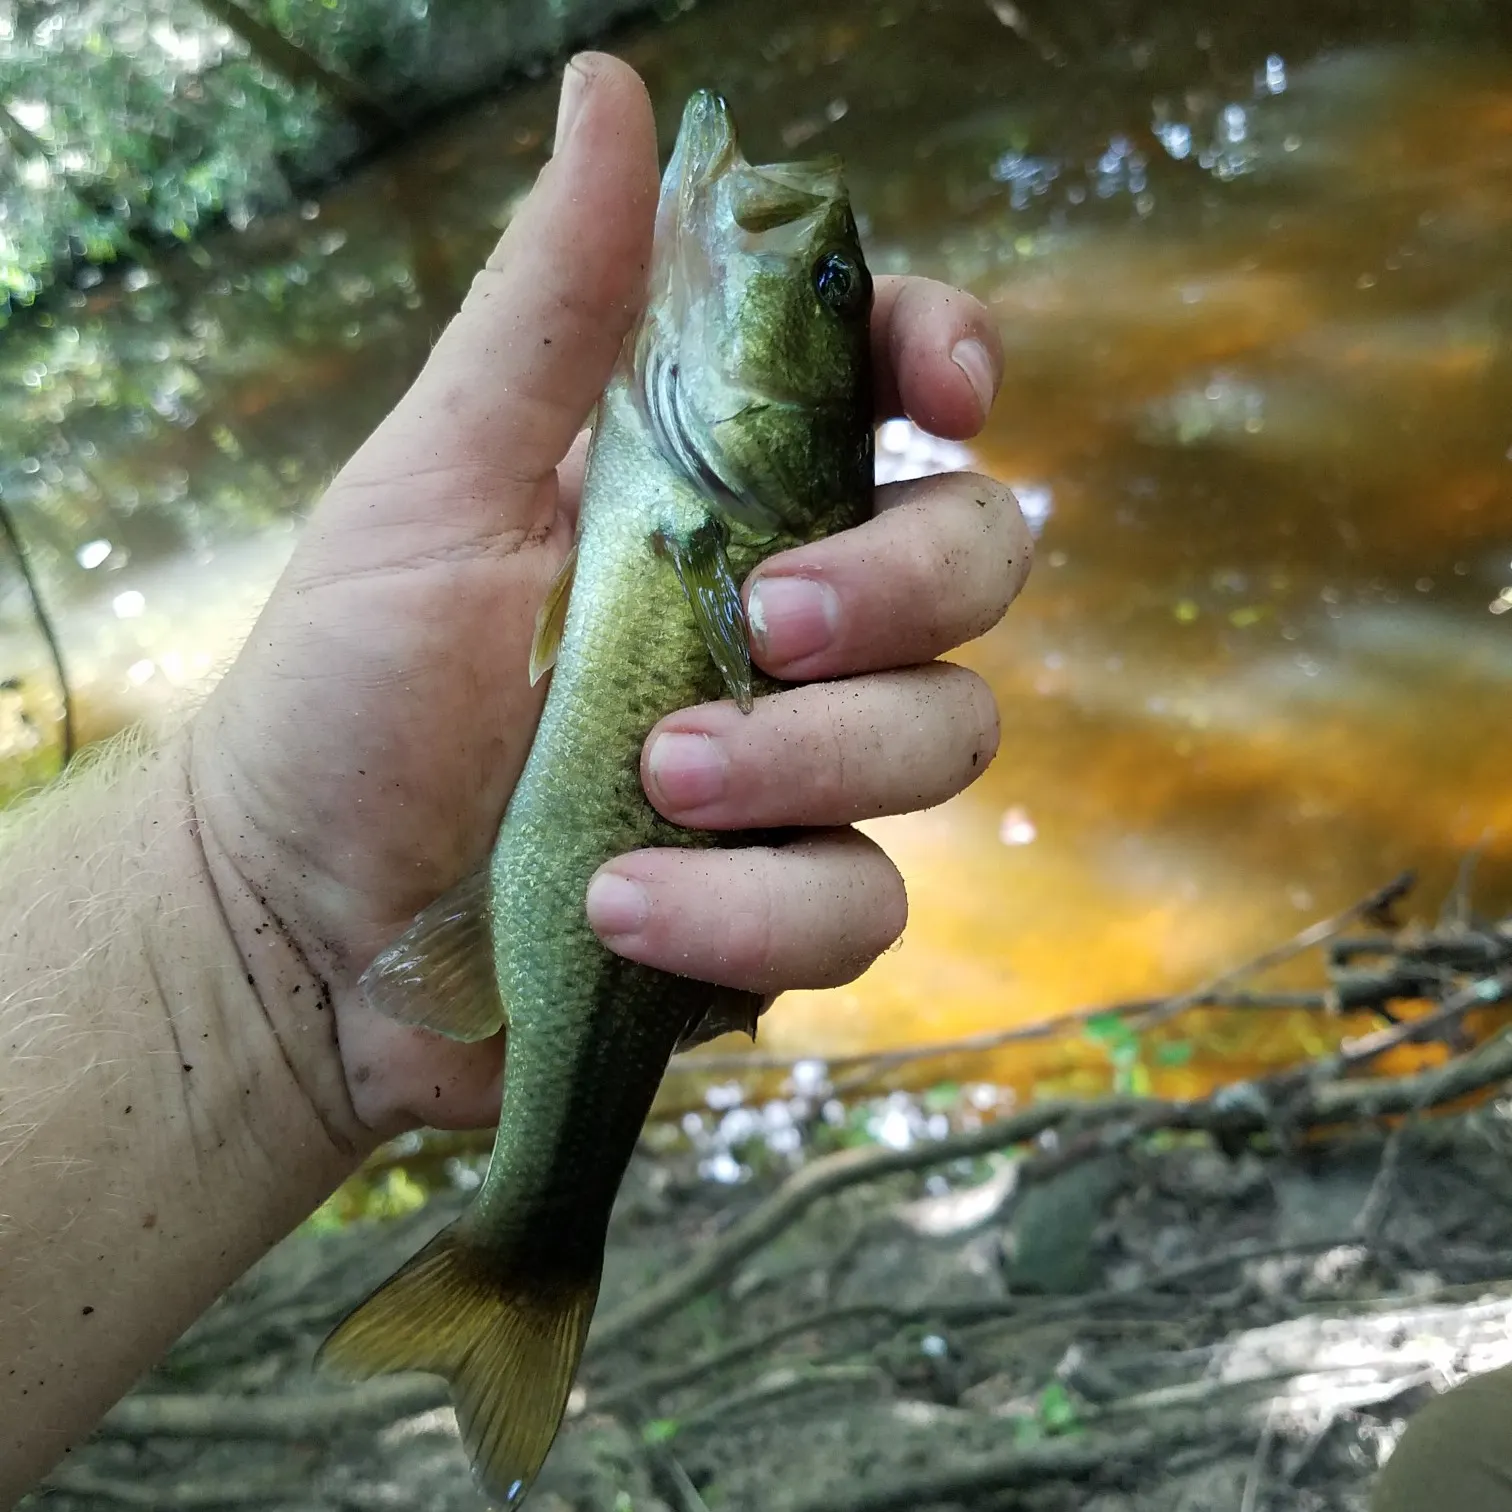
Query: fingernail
point(616, 905)
point(792, 617)
point(687, 771)
point(971, 357)
point(574, 85)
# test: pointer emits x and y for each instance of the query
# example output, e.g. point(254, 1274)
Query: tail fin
point(507, 1344)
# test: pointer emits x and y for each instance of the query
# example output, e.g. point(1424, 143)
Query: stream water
point(1252, 272)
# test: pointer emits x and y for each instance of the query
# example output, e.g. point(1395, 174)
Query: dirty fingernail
point(616, 905)
point(687, 771)
point(574, 85)
point(971, 357)
point(792, 617)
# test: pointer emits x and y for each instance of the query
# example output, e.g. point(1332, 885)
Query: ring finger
point(826, 754)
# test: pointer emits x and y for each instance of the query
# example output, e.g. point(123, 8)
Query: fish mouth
point(706, 144)
point(762, 198)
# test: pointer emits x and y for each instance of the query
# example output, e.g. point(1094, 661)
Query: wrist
point(292, 995)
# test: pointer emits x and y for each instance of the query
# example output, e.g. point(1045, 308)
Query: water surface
point(1253, 278)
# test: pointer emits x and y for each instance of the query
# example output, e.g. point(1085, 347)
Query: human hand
point(356, 760)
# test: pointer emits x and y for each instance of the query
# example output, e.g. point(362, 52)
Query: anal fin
point(730, 1011)
point(439, 974)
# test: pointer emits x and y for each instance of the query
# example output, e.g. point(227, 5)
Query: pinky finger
point(815, 913)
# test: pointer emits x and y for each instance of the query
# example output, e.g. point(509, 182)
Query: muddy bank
point(1162, 1326)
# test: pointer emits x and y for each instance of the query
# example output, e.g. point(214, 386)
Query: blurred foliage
point(126, 127)
point(130, 131)
point(390, 1193)
point(129, 125)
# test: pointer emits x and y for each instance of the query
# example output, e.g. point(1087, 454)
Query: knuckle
point(962, 552)
point(984, 722)
point(1001, 554)
point(873, 915)
point(814, 756)
point(831, 776)
point(959, 728)
point(927, 564)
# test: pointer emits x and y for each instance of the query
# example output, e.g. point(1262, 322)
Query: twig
point(867, 1063)
point(871, 1066)
point(292, 63)
point(666, 1468)
point(245, 1490)
point(1086, 1456)
point(1484, 993)
point(778, 1385)
point(45, 626)
point(1313, 1097)
point(1251, 1497)
point(798, 1193)
point(1031, 1310)
point(1372, 1215)
point(1214, 993)
point(654, 1383)
point(1456, 912)
point(309, 1415)
point(1370, 907)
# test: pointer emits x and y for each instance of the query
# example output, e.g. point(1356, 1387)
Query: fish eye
point(838, 282)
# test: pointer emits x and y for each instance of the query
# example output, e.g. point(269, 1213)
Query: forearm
point(160, 1095)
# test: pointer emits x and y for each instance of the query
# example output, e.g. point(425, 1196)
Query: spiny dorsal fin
point(705, 573)
point(439, 974)
point(507, 1342)
point(551, 620)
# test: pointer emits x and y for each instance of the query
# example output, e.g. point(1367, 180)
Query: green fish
point(737, 423)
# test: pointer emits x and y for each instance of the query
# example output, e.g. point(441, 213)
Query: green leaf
point(1174, 1053)
point(1112, 1030)
point(942, 1097)
point(1056, 1409)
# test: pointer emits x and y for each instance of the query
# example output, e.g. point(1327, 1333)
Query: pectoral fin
point(705, 573)
point(439, 974)
point(551, 620)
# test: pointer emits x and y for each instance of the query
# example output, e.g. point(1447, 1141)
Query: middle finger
point(937, 566)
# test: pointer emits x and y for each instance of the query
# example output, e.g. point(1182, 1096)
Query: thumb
point(513, 377)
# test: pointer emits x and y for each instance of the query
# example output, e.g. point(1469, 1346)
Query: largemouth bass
point(738, 423)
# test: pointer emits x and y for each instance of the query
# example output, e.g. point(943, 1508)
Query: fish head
point(753, 357)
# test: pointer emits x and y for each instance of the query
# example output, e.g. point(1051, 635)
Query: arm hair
point(157, 1130)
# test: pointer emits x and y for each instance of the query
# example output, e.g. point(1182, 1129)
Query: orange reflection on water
point(1254, 674)
point(1255, 291)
